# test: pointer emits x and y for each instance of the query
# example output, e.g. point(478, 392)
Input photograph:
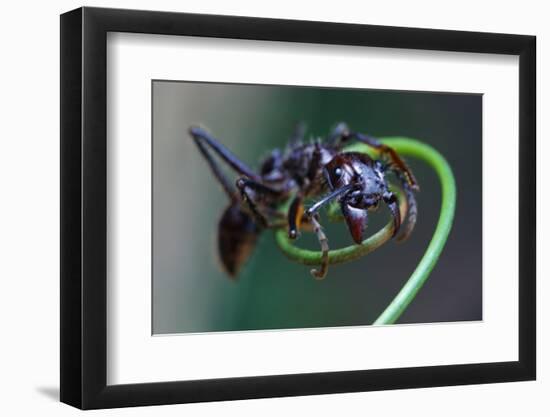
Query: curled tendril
point(405, 147)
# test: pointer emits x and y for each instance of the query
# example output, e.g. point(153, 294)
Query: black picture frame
point(84, 221)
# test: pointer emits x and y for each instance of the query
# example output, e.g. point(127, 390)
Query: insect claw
point(318, 274)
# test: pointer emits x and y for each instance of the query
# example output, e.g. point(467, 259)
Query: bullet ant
point(301, 171)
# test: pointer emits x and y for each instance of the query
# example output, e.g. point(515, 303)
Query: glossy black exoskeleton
point(302, 171)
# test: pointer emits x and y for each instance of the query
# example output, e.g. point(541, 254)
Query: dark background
point(190, 291)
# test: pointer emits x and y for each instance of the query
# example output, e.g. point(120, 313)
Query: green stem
point(405, 147)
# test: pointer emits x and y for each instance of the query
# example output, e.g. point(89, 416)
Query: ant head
point(341, 171)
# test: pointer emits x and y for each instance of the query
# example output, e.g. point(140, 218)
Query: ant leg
point(312, 215)
point(339, 134)
point(246, 185)
point(322, 271)
point(218, 173)
point(393, 156)
point(396, 160)
point(393, 204)
point(203, 139)
point(295, 212)
point(412, 209)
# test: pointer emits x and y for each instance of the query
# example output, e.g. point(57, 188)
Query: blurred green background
point(191, 293)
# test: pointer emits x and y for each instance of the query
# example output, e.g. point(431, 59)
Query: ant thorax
point(299, 166)
point(299, 160)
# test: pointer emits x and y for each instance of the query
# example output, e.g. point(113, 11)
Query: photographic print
point(308, 197)
point(281, 207)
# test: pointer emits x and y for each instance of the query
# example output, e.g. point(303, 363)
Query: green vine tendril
point(406, 147)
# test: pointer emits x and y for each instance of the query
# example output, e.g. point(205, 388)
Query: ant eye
point(338, 172)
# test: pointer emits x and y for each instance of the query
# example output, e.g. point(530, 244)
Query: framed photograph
point(258, 208)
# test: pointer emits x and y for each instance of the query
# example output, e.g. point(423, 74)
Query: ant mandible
point(305, 170)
